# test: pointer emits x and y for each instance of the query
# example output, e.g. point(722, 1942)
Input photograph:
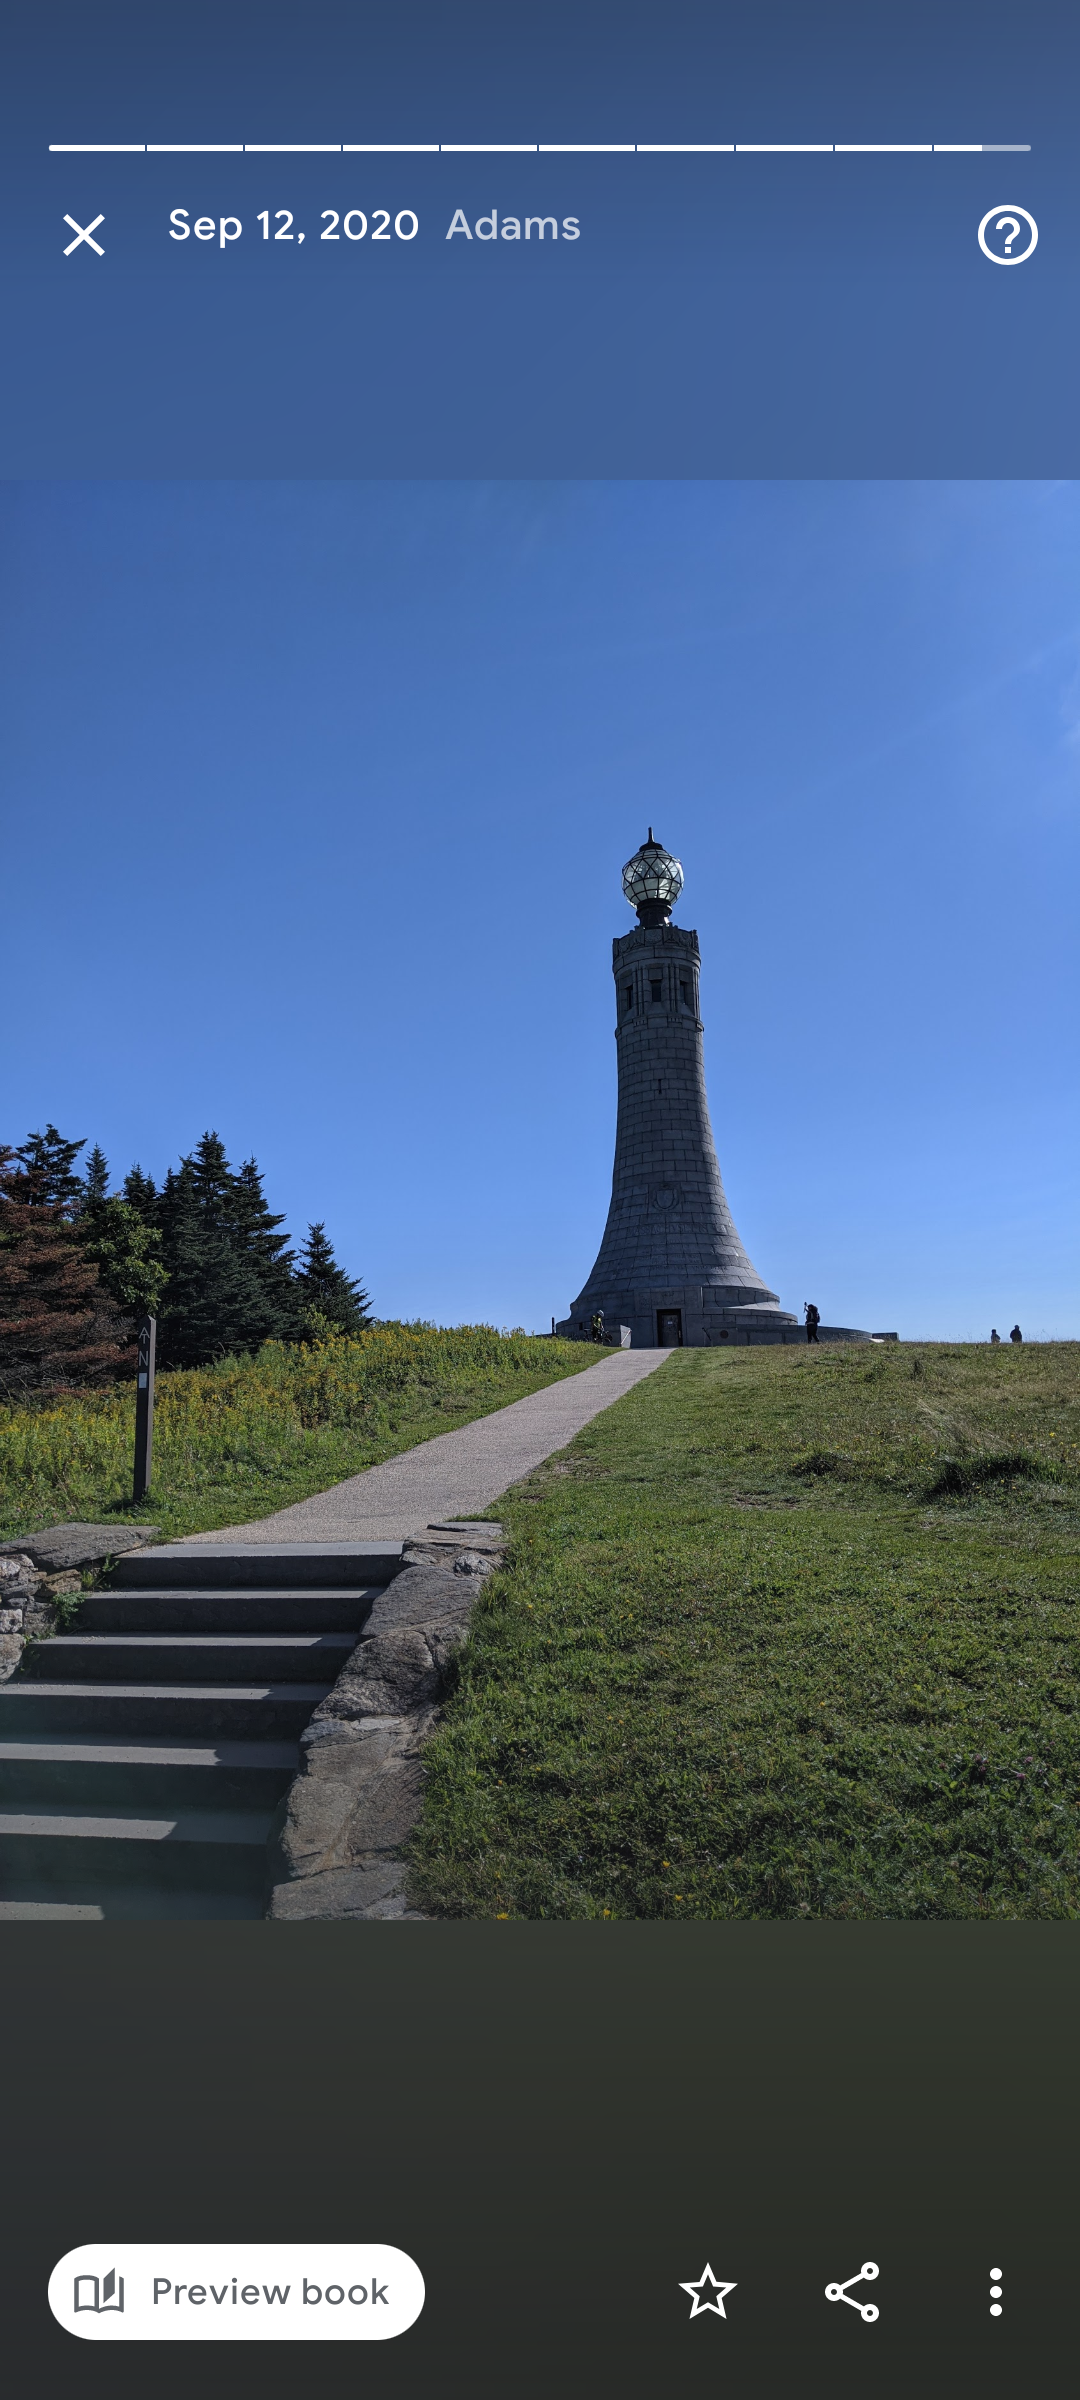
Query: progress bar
point(527, 149)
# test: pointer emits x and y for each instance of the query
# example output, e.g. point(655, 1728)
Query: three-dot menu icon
point(995, 2291)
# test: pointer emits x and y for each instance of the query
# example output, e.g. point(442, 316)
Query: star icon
point(702, 2300)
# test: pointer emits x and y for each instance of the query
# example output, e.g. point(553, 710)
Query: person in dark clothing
point(994, 1334)
point(813, 1320)
point(1016, 1335)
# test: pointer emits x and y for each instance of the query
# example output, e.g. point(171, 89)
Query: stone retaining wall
point(26, 1610)
point(42, 1568)
point(359, 1791)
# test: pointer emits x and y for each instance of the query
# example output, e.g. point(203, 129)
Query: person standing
point(1016, 1335)
point(813, 1320)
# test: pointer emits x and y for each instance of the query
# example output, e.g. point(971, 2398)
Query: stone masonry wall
point(339, 1850)
point(27, 1613)
point(41, 1568)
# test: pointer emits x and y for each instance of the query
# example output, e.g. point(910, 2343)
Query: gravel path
point(457, 1474)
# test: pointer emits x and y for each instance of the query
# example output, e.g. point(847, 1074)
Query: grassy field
point(786, 1633)
point(250, 1435)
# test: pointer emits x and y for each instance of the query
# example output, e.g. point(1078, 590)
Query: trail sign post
point(144, 1406)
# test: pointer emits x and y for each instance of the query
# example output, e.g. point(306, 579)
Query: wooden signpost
point(144, 1406)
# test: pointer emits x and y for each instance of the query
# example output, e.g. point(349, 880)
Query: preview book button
point(236, 2292)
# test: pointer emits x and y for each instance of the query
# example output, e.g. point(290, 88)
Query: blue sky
point(316, 798)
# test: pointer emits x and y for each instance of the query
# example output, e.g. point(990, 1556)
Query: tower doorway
point(669, 1328)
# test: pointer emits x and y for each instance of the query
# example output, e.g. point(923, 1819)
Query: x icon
point(82, 233)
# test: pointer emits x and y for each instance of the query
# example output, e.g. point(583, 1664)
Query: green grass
point(785, 1633)
point(250, 1435)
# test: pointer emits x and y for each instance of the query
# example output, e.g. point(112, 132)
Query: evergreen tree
point(211, 1301)
point(230, 1284)
point(95, 1182)
point(204, 1253)
point(57, 1324)
point(212, 1181)
point(125, 1250)
point(270, 1250)
point(141, 1192)
point(324, 1289)
point(49, 1165)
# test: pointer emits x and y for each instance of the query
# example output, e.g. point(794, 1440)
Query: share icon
point(840, 2291)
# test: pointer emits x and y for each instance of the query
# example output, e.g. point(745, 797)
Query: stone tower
point(671, 1267)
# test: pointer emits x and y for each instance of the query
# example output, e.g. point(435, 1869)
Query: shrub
point(960, 1475)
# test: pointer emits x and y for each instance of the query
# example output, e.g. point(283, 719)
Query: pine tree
point(57, 1324)
point(230, 1284)
point(95, 1182)
point(205, 1252)
point(141, 1192)
point(232, 1278)
point(270, 1250)
point(211, 1181)
point(211, 1302)
point(49, 1164)
point(325, 1290)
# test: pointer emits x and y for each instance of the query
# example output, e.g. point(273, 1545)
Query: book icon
point(108, 2292)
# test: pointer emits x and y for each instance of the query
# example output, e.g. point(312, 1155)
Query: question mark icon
point(1009, 219)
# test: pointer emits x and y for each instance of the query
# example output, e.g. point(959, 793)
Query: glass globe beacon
point(652, 881)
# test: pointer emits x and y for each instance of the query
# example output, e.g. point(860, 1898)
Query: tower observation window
point(655, 986)
point(628, 996)
point(684, 989)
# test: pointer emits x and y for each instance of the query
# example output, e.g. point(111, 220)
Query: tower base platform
point(692, 1318)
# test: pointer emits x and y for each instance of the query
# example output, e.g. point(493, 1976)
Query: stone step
point(143, 1756)
point(151, 1777)
point(91, 1901)
point(254, 1566)
point(70, 1855)
point(247, 1826)
point(220, 1609)
point(36, 1912)
point(188, 1657)
point(147, 1711)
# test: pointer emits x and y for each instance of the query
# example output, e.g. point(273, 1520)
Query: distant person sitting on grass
point(813, 1320)
point(994, 1334)
point(1016, 1335)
